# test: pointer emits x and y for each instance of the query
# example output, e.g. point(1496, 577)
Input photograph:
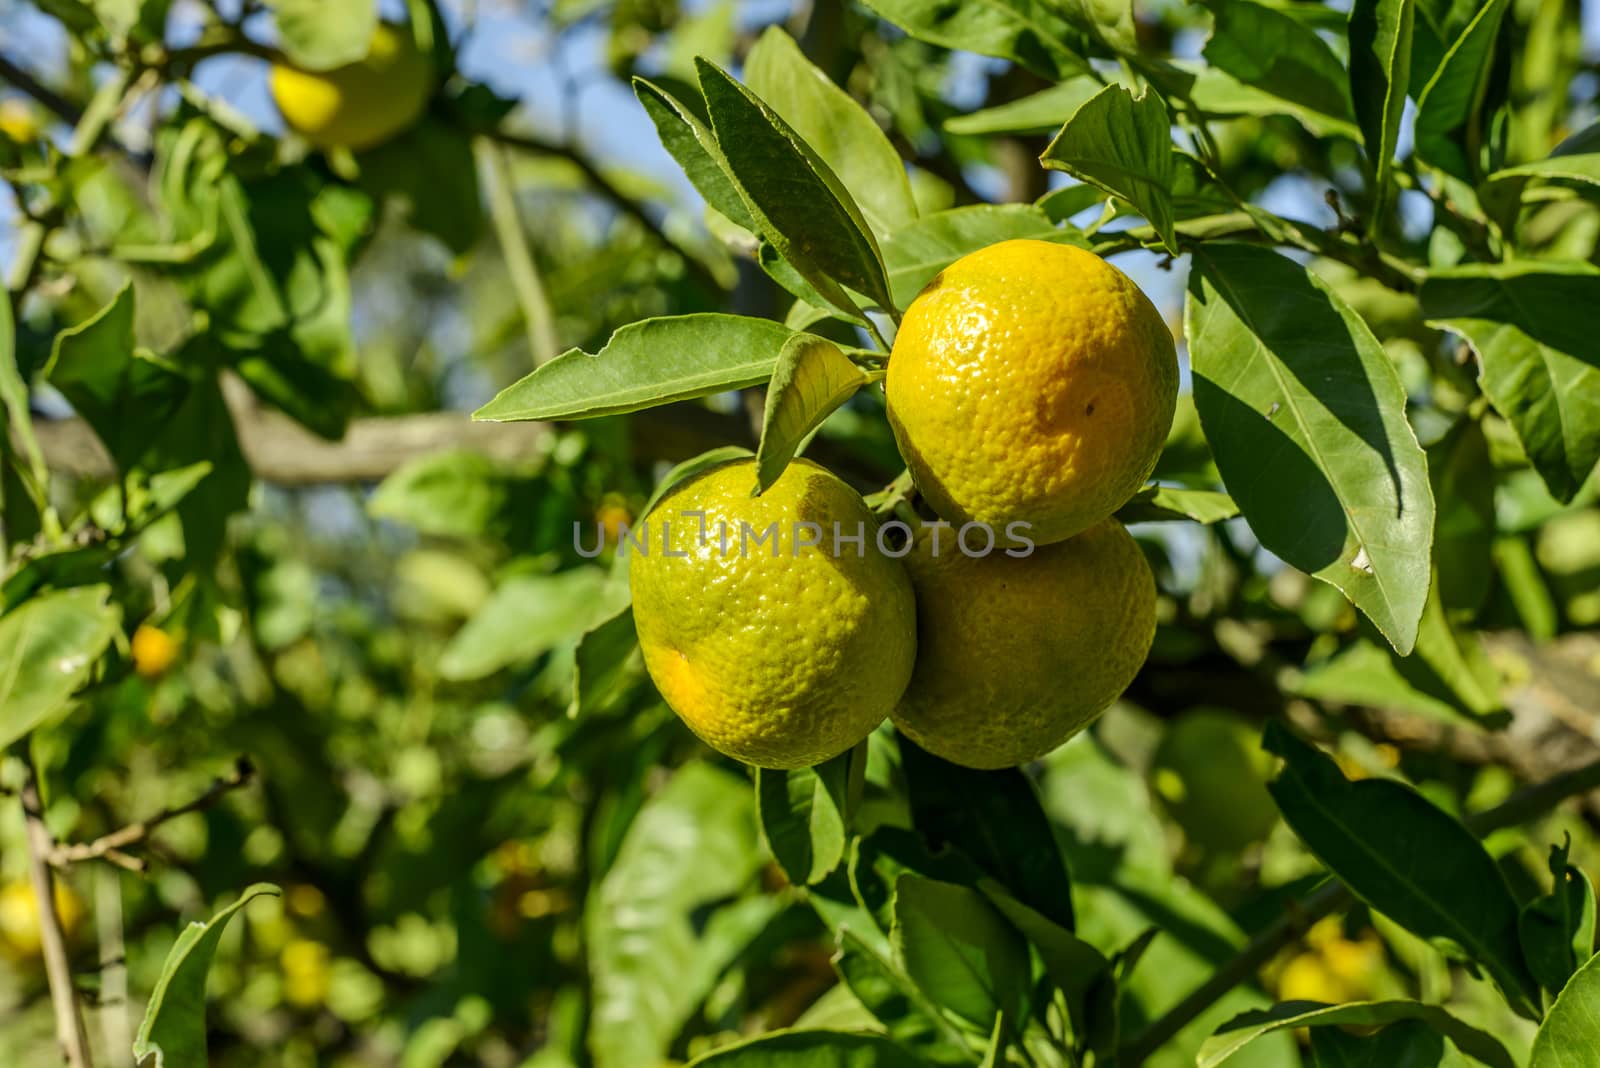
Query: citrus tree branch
point(62, 855)
point(1526, 804)
point(537, 317)
point(52, 941)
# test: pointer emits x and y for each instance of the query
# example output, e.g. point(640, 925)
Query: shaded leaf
point(48, 646)
point(1380, 72)
point(1271, 51)
point(841, 132)
point(1367, 834)
point(906, 1014)
point(1558, 929)
point(1290, 1015)
point(1407, 1044)
point(916, 254)
point(1449, 123)
point(804, 816)
point(1528, 324)
point(810, 381)
point(690, 141)
point(1031, 32)
point(174, 1028)
point(1306, 417)
point(656, 361)
point(431, 172)
point(606, 663)
point(958, 950)
point(1123, 144)
point(809, 1049)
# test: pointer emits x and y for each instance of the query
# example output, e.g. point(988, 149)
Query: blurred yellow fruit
point(1308, 978)
point(1333, 968)
point(774, 640)
point(1211, 773)
point(1018, 654)
point(1031, 382)
point(19, 121)
point(19, 917)
point(153, 651)
point(361, 104)
point(305, 972)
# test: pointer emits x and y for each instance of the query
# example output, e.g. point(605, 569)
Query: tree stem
point(538, 318)
point(52, 941)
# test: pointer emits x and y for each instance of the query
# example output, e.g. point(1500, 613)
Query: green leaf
point(811, 380)
point(48, 647)
point(656, 361)
point(1380, 72)
point(1155, 504)
point(1450, 663)
point(174, 1027)
point(809, 1049)
point(457, 493)
point(1367, 833)
point(1216, 92)
point(323, 34)
point(1272, 51)
point(606, 663)
point(1033, 33)
point(833, 124)
point(917, 253)
point(1503, 192)
point(1406, 1044)
point(1305, 414)
point(1038, 113)
point(526, 617)
point(1571, 1030)
point(1123, 144)
point(123, 392)
point(1527, 323)
point(1449, 123)
point(691, 846)
point(995, 819)
point(688, 139)
point(1557, 930)
point(804, 816)
point(1072, 964)
point(432, 174)
point(1291, 1015)
point(958, 950)
point(905, 1013)
point(797, 202)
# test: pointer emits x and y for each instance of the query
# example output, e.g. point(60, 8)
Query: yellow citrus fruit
point(153, 651)
point(19, 121)
point(776, 640)
point(1018, 654)
point(19, 917)
point(306, 977)
point(1211, 773)
point(1031, 382)
point(361, 104)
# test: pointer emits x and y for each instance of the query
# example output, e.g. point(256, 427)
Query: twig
point(1524, 805)
point(537, 317)
point(58, 105)
point(108, 845)
point(52, 942)
point(607, 189)
point(116, 1026)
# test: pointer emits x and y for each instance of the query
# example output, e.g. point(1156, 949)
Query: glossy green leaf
point(1072, 964)
point(810, 1049)
point(1038, 113)
point(692, 845)
point(916, 254)
point(1558, 928)
point(841, 132)
point(1271, 51)
point(1571, 1030)
point(690, 141)
point(125, 393)
point(1406, 1044)
point(1528, 324)
point(804, 816)
point(323, 34)
point(1034, 33)
point(1306, 417)
point(1291, 1015)
point(1155, 504)
point(173, 1033)
point(1450, 125)
point(1367, 833)
point(48, 646)
point(797, 202)
point(526, 617)
point(995, 819)
point(810, 381)
point(958, 950)
point(1380, 72)
point(1123, 144)
point(656, 361)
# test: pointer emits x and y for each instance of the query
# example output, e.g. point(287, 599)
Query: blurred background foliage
point(483, 863)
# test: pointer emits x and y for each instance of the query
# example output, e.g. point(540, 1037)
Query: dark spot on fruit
point(1089, 409)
